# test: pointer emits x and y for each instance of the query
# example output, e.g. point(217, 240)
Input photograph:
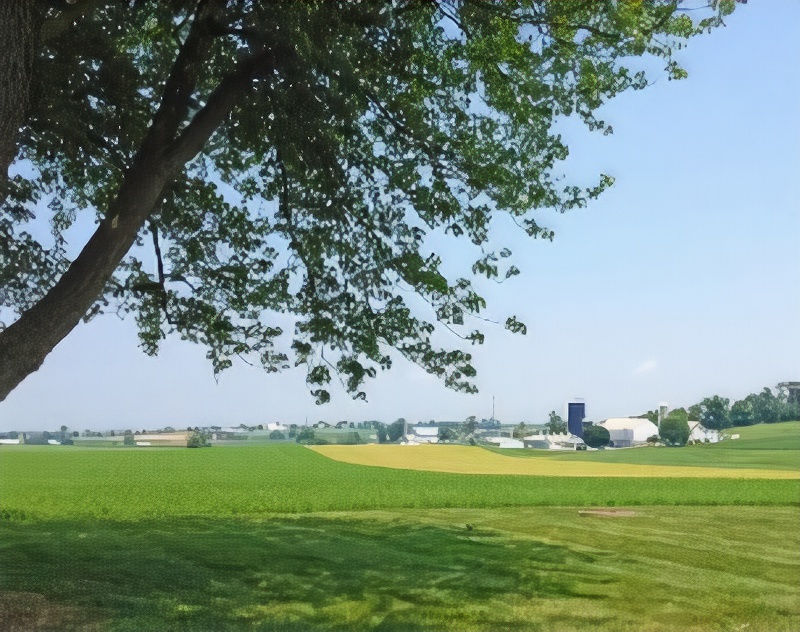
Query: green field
point(277, 537)
point(38, 482)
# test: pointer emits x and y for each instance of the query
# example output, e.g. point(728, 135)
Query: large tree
point(555, 423)
point(294, 157)
point(674, 428)
point(715, 413)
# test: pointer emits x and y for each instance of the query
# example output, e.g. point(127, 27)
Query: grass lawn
point(663, 568)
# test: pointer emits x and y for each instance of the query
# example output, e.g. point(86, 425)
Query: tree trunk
point(25, 344)
point(162, 155)
point(20, 30)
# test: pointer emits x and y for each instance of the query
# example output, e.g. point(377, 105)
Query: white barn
point(423, 434)
point(628, 431)
point(701, 433)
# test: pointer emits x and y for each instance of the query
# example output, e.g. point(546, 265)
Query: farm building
point(423, 434)
point(698, 432)
point(627, 431)
point(557, 441)
point(163, 439)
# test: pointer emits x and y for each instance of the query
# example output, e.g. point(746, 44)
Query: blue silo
point(576, 411)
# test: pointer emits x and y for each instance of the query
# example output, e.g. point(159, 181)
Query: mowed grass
point(58, 482)
point(659, 569)
point(462, 459)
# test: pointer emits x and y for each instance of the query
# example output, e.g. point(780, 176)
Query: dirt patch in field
point(609, 513)
point(32, 612)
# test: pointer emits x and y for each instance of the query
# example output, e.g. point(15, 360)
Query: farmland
point(117, 483)
point(458, 459)
point(279, 537)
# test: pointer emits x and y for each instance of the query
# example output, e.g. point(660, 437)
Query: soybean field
point(281, 537)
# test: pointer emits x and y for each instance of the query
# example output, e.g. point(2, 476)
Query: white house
point(628, 431)
point(422, 434)
point(700, 433)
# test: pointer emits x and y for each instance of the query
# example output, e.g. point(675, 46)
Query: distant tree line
point(717, 413)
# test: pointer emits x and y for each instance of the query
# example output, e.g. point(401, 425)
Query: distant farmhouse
point(422, 434)
point(697, 432)
point(626, 432)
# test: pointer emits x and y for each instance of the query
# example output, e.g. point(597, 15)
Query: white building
point(557, 441)
point(628, 431)
point(422, 434)
point(701, 433)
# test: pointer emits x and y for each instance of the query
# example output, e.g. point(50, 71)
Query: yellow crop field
point(461, 459)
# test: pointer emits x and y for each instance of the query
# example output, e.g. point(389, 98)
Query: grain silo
point(576, 411)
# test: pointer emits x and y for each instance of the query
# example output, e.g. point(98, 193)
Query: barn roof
point(625, 423)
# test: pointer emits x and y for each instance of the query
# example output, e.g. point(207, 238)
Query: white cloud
point(645, 367)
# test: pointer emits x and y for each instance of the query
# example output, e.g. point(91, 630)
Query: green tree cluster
point(555, 424)
point(305, 436)
point(765, 406)
point(674, 428)
point(298, 158)
point(468, 427)
point(395, 430)
point(198, 440)
point(596, 436)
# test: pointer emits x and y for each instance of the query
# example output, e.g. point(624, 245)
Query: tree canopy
point(715, 412)
point(596, 436)
point(298, 158)
point(555, 423)
point(674, 428)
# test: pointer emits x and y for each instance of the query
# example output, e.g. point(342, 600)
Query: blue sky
point(682, 281)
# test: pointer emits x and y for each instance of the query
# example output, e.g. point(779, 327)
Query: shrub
point(674, 430)
point(596, 436)
point(276, 435)
point(198, 440)
point(306, 435)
